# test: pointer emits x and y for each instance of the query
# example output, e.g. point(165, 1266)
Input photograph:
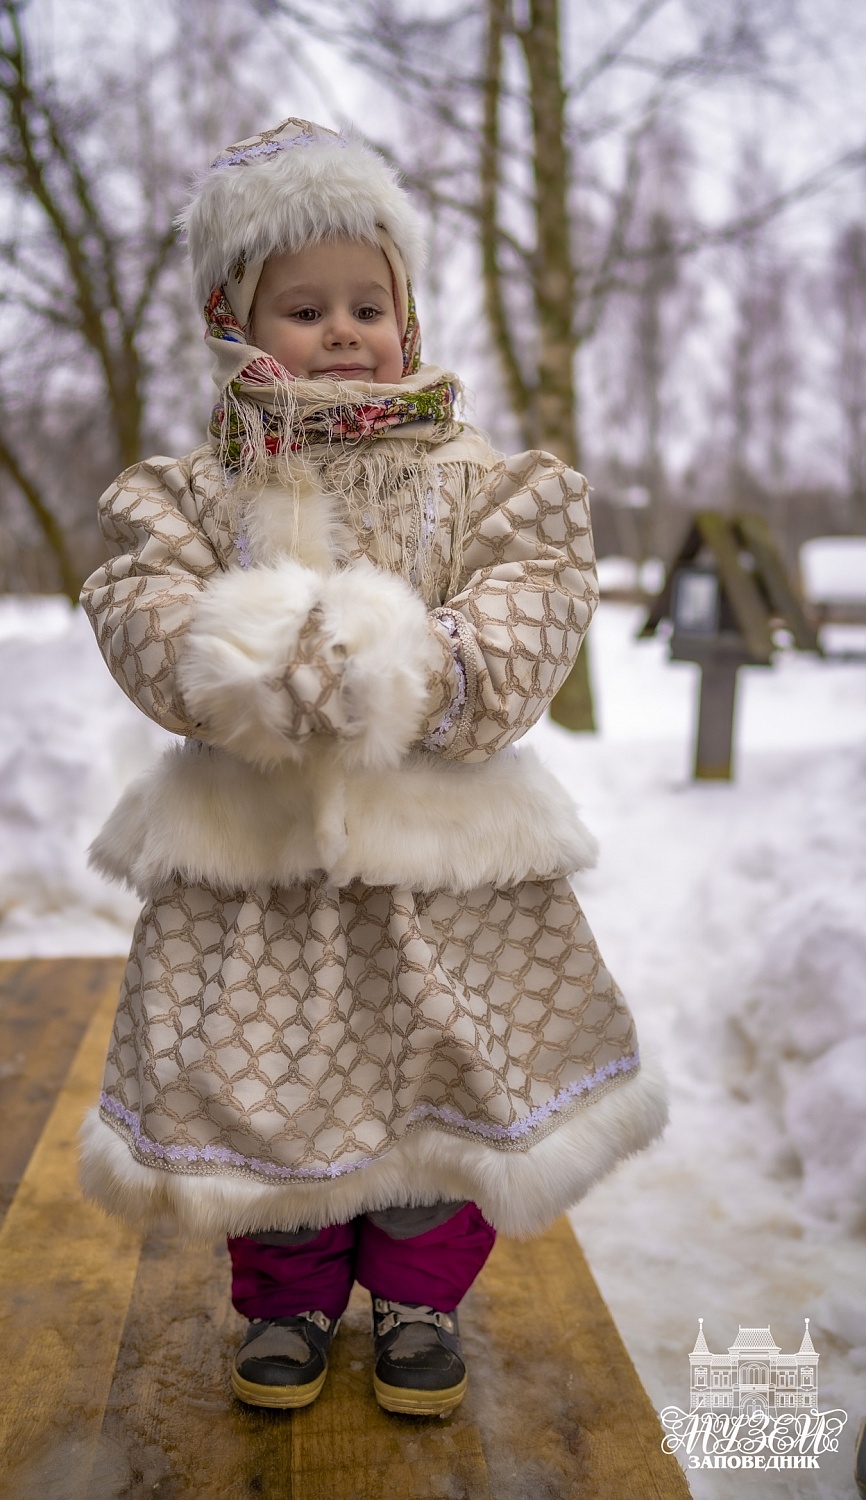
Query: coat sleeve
point(526, 596)
point(263, 662)
point(141, 603)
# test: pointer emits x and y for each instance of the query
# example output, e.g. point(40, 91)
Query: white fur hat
point(285, 189)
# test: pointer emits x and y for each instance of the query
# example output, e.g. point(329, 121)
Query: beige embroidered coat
point(360, 977)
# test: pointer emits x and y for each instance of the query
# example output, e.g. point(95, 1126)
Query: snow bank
point(799, 1034)
point(825, 1117)
point(69, 743)
point(733, 916)
point(833, 569)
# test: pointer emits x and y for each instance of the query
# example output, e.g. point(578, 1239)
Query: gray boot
point(419, 1369)
point(283, 1361)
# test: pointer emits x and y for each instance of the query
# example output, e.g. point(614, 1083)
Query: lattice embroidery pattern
point(302, 1032)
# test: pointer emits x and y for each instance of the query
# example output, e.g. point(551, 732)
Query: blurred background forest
point(647, 234)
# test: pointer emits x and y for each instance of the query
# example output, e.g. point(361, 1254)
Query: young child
point(364, 1023)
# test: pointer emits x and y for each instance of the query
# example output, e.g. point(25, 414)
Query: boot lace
point(396, 1313)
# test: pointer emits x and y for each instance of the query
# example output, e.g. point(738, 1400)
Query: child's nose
point(341, 329)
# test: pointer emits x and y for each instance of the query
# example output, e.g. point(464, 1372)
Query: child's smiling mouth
point(361, 372)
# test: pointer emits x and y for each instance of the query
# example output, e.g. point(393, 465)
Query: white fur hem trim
point(520, 1192)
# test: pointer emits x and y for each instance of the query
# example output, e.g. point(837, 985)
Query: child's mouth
point(356, 372)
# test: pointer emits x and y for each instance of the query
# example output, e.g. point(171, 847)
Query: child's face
point(329, 310)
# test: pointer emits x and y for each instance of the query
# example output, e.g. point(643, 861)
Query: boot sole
point(414, 1403)
point(285, 1397)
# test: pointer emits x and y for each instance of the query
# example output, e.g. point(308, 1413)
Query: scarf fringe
point(389, 485)
point(390, 491)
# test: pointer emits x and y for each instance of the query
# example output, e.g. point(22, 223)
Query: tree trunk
point(518, 389)
point(48, 523)
point(555, 411)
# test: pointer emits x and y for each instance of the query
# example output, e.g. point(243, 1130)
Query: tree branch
point(746, 224)
point(612, 52)
point(46, 520)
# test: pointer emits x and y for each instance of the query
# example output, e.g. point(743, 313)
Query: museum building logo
point(752, 1408)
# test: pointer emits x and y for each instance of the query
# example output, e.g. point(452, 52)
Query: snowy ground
point(734, 917)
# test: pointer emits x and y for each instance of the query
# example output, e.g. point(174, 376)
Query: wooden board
point(741, 588)
point(44, 1010)
point(117, 1355)
point(757, 536)
point(558, 1400)
point(66, 1276)
point(172, 1426)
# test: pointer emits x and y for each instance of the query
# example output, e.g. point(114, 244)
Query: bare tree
point(762, 367)
point(642, 335)
point(849, 289)
point(97, 298)
point(94, 290)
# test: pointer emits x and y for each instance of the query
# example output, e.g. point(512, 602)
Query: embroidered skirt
point(281, 1036)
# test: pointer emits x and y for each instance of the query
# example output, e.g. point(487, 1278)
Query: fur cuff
point(392, 653)
point(231, 673)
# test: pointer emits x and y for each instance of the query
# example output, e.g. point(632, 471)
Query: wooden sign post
point(725, 592)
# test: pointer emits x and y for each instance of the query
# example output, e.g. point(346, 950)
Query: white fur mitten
point(256, 671)
point(278, 654)
point(392, 652)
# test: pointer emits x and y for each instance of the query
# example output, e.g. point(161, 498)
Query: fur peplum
point(206, 815)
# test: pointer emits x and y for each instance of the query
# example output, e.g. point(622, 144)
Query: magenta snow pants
point(275, 1275)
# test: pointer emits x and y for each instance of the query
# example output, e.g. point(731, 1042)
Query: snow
point(833, 569)
point(617, 573)
point(734, 916)
point(69, 743)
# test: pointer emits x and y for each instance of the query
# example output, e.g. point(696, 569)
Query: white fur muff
point(364, 628)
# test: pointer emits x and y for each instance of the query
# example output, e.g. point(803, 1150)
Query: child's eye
point(306, 314)
point(368, 313)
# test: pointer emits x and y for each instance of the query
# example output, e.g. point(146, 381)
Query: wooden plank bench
point(116, 1351)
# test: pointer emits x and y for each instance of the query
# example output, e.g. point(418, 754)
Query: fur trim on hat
point(287, 189)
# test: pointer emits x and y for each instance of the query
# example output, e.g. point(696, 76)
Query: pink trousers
point(436, 1268)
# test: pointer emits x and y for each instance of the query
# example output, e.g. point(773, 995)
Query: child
point(364, 1022)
